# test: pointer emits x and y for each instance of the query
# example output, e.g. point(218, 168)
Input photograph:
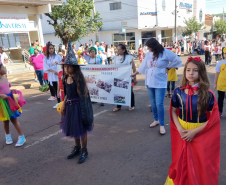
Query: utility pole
point(223, 14)
point(175, 29)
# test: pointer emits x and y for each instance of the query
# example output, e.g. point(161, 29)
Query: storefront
point(20, 24)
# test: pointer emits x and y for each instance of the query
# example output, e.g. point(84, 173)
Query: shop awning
point(31, 3)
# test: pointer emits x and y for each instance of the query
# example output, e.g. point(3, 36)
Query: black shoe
point(75, 151)
point(83, 156)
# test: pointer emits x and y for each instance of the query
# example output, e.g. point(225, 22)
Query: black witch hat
point(70, 57)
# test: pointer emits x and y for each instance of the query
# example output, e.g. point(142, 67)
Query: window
point(200, 15)
point(163, 5)
point(115, 6)
point(128, 37)
point(167, 36)
point(10, 40)
point(147, 35)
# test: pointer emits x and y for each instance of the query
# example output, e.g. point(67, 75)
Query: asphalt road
point(123, 150)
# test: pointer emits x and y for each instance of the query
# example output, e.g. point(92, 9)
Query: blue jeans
point(157, 97)
point(39, 74)
point(172, 86)
point(193, 50)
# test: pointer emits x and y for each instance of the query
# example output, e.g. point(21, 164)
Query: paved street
point(123, 150)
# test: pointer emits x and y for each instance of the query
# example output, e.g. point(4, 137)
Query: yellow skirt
point(185, 125)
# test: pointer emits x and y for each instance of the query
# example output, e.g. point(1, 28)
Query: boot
point(75, 151)
point(83, 156)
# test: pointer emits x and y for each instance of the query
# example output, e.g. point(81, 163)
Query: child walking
point(9, 110)
point(219, 82)
point(77, 112)
point(195, 129)
point(172, 78)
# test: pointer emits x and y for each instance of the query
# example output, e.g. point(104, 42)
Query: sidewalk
point(24, 80)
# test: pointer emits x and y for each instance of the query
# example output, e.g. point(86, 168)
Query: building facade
point(20, 24)
point(135, 21)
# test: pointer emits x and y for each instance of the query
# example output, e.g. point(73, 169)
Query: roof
point(33, 3)
point(207, 16)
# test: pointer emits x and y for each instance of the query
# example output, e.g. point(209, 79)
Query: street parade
point(82, 103)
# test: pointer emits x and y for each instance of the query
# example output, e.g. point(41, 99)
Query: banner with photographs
point(109, 84)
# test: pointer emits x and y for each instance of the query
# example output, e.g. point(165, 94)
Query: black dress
point(71, 122)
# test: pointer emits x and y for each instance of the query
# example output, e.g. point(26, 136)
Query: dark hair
point(77, 78)
point(106, 48)
point(96, 42)
point(47, 50)
point(155, 47)
point(123, 47)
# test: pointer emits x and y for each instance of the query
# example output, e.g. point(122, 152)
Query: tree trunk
point(65, 42)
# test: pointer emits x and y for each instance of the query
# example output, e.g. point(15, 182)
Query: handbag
point(45, 76)
point(86, 107)
point(44, 88)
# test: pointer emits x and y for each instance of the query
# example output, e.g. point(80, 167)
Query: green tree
point(193, 26)
point(220, 26)
point(74, 20)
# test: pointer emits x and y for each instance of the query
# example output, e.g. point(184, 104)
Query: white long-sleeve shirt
point(155, 70)
point(50, 63)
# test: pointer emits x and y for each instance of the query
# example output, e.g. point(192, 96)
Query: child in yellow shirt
point(172, 78)
point(80, 58)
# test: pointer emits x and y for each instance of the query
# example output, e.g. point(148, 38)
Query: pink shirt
point(37, 62)
point(4, 88)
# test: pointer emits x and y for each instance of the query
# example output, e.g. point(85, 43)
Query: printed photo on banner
point(90, 79)
point(119, 99)
point(120, 83)
point(104, 85)
point(93, 91)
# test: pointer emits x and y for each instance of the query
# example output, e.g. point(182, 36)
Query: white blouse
point(119, 60)
point(50, 63)
point(155, 70)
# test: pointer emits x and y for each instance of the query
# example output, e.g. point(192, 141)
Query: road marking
point(40, 95)
point(56, 133)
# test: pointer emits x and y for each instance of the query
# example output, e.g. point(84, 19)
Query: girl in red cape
point(195, 129)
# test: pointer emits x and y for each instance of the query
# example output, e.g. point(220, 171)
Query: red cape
point(196, 162)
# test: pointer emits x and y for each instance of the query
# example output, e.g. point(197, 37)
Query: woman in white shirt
point(91, 59)
point(108, 53)
point(155, 67)
point(207, 49)
point(50, 65)
point(123, 58)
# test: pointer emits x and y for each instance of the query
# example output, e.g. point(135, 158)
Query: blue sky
point(215, 6)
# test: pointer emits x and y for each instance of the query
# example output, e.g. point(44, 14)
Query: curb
point(25, 86)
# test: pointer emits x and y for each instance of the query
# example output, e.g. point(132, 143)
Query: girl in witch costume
point(220, 82)
point(195, 129)
point(76, 110)
point(10, 109)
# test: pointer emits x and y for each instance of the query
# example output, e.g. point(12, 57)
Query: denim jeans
point(157, 96)
point(39, 74)
point(172, 85)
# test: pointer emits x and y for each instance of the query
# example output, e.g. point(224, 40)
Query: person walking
point(3, 58)
point(31, 51)
point(36, 61)
point(50, 65)
point(141, 53)
point(123, 58)
point(195, 129)
point(76, 110)
point(223, 45)
point(108, 53)
point(10, 110)
point(207, 50)
point(220, 81)
point(155, 67)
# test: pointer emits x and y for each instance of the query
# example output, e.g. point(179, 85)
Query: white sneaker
point(8, 138)
point(55, 107)
point(36, 80)
point(52, 98)
point(162, 130)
